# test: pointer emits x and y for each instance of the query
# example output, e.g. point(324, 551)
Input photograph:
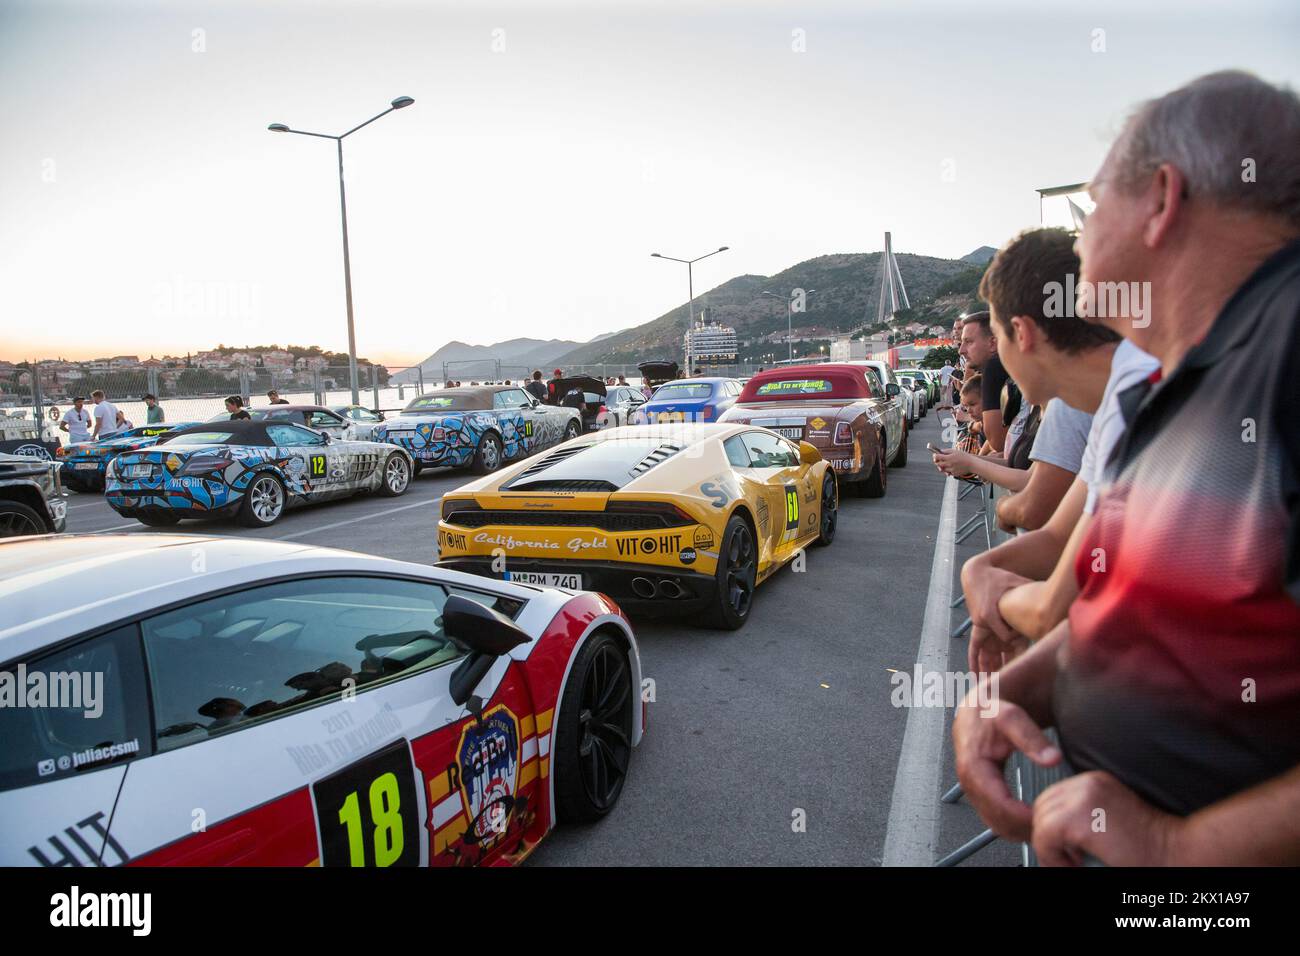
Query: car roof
point(700, 380)
point(118, 576)
point(243, 431)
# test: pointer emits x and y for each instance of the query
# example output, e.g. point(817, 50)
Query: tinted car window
point(737, 453)
point(767, 450)
point(683, 391)
point(293, 435)
point(107, 722)
point(325, 420)
point(232, 661)
point(514, 398)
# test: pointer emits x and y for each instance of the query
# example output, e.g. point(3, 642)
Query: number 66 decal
point(367, 813)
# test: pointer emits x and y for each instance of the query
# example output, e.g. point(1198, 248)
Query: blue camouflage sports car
point(249, 470)
point(478, 427)
point(82, 464)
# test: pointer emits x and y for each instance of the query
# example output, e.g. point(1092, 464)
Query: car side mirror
point(325, 435)
point(486, 633)
point(892, 389)
point(808, 453)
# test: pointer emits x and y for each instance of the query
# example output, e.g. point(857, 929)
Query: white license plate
point(85, 466)
point(796, 433)
point(137, 471)
point(571, 581)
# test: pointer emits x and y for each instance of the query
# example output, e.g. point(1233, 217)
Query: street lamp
point(400, 103)
point(690, 285)
point(789, 316)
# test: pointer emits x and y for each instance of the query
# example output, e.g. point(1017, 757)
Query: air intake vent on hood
point(546, 462)
point(660, 454)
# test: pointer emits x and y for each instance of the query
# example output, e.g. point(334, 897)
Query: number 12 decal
point(367, 813)
point(317, 464)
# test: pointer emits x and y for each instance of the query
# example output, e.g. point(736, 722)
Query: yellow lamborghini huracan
point(682, 517)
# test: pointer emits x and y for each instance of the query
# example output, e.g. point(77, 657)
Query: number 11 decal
point(368, 813)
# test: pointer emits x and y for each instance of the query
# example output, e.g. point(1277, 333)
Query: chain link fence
point(34, 396)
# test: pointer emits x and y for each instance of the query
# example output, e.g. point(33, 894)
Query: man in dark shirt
point(979, 348)
point(1175, 681)
point(537, 388)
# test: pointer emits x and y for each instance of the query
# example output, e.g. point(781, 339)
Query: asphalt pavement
point(775, 744)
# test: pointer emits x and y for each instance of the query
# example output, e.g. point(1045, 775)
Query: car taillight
point(843, 433)
point(706, 412)
point(204, 464)
point(451, 505)
point(673, 515)
point(60, 452)
point(603, 411)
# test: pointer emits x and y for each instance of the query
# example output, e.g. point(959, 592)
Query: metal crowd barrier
point(1030, 779)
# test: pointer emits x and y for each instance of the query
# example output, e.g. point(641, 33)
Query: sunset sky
point(146, 209)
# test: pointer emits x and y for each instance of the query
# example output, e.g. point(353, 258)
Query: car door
point(774, 466)
point(336, 426)
point(310, 722)
point(62, 767)
point(513, 409)
point(313, 464)
point(890, 410)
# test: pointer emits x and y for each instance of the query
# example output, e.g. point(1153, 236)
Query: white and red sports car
point(187, 700)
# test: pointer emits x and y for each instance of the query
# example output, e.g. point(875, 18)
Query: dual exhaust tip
point(665, 587)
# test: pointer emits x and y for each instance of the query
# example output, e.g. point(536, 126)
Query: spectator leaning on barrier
point(980, 350)
point(1175, 682)
point(1022, 588)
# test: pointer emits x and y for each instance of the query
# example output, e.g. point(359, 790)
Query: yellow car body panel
point(783, 504)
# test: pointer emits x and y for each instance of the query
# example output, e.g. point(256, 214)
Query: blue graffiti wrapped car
point(82, 465)
point(480, 427)
point(249, 470)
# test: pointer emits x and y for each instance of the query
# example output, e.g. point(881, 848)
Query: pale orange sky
point(144, 207)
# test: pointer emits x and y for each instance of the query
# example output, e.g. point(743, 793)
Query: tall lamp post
point(789, 317)
point(690, 286)
point(400, 103)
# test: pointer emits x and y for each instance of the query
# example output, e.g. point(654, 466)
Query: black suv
point(32, 499)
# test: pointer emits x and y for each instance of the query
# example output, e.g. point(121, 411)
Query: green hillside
point(847, 284)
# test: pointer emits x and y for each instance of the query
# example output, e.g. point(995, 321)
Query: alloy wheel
point(605, 726)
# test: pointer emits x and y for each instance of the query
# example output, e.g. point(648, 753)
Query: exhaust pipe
point(643, 588)
point(670, 589)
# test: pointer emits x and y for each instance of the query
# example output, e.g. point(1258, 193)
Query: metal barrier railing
point(1030, 778)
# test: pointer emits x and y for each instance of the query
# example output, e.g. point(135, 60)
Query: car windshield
point(274, 414)
point(794, 386)
point(440, 403)
point(684, 390)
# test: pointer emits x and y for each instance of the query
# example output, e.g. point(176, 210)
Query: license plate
point(137, 471)
point(571, 581)
point(86, 466)
point(795, 433)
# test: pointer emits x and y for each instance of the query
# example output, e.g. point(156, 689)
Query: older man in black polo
point(1175, 682)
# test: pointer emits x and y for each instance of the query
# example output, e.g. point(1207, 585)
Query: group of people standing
point(1147, 610)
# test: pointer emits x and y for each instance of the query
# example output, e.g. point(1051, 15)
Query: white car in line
point(215, 701)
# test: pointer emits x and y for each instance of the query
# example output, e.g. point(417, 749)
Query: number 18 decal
point(367, 813)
